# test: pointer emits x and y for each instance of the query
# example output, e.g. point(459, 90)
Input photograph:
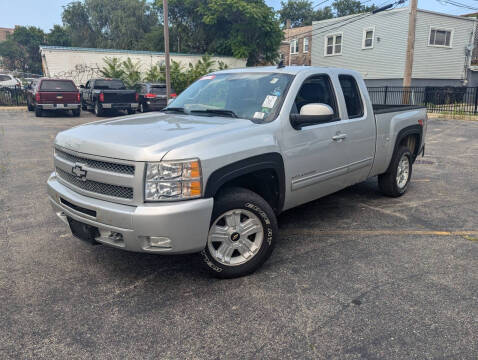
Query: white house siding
point(386, 60)
point(79, 64)
point(439, 62)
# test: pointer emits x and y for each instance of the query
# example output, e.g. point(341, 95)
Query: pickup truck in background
point(106, 94)
point(53, 94)
point(211, 172)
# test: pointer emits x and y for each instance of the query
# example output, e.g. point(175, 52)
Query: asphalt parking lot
point(354, 275)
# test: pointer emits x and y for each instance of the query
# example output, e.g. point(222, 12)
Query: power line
point(458, 4)
point(340, 23)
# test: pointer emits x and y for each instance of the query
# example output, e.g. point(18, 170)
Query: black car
point(152, 96)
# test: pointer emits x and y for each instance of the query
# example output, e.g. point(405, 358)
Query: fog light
point(159, 241)
point(115, 236)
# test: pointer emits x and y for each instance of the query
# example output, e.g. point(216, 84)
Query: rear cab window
point(109, 85)
point(57, 85)
point(352, 96)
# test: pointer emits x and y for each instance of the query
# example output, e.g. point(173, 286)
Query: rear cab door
point(357, 126)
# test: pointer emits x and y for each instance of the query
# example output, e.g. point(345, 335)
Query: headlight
point(173, 180)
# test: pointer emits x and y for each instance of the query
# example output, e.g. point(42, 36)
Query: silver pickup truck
point(211, 172)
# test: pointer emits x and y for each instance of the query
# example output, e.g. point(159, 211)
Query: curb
point(13, 108)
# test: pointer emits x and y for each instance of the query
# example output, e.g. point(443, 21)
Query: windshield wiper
point(176, 109)
point(223, 112)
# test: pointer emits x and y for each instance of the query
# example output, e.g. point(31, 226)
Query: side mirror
point(82, 86)
point(312, 114)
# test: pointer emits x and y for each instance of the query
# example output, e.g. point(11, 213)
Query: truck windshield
point(109, 85)
point(254, 96)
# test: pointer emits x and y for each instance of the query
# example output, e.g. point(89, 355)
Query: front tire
point(38, 112)
point(395, 181)
point(241, 236)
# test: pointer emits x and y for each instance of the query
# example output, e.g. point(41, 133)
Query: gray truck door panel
point(315, 163)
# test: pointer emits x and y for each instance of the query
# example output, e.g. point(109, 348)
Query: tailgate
point(60, 97)
point(120, 97)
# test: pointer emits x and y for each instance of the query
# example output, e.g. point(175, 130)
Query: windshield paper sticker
point(269, 101)
point(258, 115)
point(274, 80)
point(208, 77)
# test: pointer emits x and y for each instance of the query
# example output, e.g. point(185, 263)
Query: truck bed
point(383, 109)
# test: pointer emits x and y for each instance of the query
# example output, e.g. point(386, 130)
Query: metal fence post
point(385, 96)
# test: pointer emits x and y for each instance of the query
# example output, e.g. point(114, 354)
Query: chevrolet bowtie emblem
point(79, 172)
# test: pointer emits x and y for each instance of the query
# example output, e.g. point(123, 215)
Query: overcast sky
point(45, 13)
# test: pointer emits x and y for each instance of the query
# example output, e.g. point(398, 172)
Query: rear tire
point(395, 181)
point(143, 108)
point(242, 234)
point(38, 112)
point(98, 109)
point(76, 112)
point(131, 111)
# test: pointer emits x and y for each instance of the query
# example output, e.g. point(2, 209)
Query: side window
point(315, 89)
point(87, 86)
point(353, 100)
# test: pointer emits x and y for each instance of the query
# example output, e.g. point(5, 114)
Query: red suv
point(53, 94)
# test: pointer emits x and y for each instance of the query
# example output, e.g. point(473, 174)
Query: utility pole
point(412, 20)
point(166, 47)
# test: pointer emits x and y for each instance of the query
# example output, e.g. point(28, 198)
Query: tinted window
point(4, 77)
point(57, 85)
point(158, 90)
point(315, 89)
point(353, 100)
point(109, 84)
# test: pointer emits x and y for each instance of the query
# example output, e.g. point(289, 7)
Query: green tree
point(323, 14)
point(350, 7)
point(299, 12)
point(132, 72)
point(21, 50)
point(77, 23)
point(113, 68)
point(241, 28)
point(58, 36)
point(120, 24)
point(155, 73)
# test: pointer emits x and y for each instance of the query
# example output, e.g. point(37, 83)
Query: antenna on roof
point(280, 64)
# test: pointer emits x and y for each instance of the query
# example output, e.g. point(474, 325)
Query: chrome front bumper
point(119, 106)
point(173, 228)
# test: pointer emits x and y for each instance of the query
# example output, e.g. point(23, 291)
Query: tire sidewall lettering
point(268, 233)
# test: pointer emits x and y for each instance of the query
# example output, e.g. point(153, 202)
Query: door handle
point(339, 137)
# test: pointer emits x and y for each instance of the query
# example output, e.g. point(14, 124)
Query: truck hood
point(145, 137)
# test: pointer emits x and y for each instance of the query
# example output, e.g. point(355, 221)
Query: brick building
point(296, 47)
point(4, 32)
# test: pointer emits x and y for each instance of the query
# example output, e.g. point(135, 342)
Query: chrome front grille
point(101, 165)
point(122, 192)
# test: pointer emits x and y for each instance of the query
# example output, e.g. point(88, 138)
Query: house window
point(294, 46)
point(306, 45)
point(368, 35)
point(333, 44)
point(440, 37)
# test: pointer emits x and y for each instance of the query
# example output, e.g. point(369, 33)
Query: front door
point(315, 161)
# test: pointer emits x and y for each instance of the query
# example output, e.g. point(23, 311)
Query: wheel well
point(264, 182)
point(412, 142)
